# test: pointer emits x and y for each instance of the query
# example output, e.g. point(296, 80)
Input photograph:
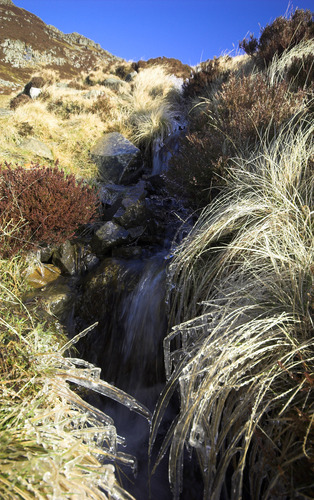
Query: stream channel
point(124, 289)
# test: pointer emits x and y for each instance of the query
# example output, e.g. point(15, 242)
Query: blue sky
point(189, 30)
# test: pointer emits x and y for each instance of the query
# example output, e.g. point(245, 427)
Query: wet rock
point(65, 258)
point(118, 160)
point(46, 253)
point(37, 147)
point(132, 213)
point(136, 232)
point(132, 252)
point(42, 274)
point(124, 201)
point(103, 287)
point(57, 299)
point(108, 236)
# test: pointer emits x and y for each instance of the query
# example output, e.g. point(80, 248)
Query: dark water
point(129, 303)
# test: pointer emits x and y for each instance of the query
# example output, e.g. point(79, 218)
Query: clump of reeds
point(242, 351)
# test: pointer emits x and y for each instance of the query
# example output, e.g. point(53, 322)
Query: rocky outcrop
point(37, 147)
point(26, 42)
point(118, 160)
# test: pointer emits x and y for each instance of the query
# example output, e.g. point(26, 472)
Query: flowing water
point(128, 346)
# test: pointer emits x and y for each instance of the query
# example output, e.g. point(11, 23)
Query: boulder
point(118, 160)
point(37, 147)
point(42, 274)
point(74, 258)
point(130, 76)
point(65, 258)
point(34, 92)
point(113, 83)
point(132, 213)
point(115, 197)
point(109, 235)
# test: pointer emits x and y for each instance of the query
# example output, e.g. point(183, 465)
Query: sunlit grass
point(242, 350)
point(52, 443)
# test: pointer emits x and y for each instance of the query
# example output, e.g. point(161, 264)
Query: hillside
point(27, 43)
point(156, 255)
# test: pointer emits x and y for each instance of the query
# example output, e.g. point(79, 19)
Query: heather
point(41, 205)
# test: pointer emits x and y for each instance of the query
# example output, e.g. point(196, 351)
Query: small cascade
point(164, 148)
point(127, 298)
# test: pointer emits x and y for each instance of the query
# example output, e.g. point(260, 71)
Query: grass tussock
point(242, 352)
point(150, 109)
point(52, 443)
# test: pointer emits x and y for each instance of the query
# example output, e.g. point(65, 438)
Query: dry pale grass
point(52, 443)
point(150, 108)
point(279, 66)
point(242, 351)
point(70, 140)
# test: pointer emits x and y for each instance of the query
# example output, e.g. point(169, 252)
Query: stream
point(124, 291)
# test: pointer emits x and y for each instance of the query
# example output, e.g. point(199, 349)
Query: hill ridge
point(27, 43)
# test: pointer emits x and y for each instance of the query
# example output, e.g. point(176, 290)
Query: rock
point(132, 207)
point(113, 83)
point(6, 2)
point(6, 112)
point(57, 299)
point(93, 94)
point(46, 252)
point(65, 258)
point(34, 92)
point(136, 232)
point(108, 236)
point(118, 160)
point(37, 147)
point(40, 275)
point(130, 76)
point(102, 290)
point(132, 252)
point(112, 196)
point(132, 213)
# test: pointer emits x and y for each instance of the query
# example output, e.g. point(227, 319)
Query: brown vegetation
point(39, 205)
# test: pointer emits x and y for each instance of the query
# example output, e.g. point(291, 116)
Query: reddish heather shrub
point(280, 35)
point(300, 73)
point(196, 172)
point(19, 100)
point(233, 121)
point(43, 205)
point(173, 66)
point(245, 107)
point(199, 80)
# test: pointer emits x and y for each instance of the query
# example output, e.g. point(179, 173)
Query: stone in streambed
point(108, 236)
point(42, 274)
point(117, 159)
point(65, 258)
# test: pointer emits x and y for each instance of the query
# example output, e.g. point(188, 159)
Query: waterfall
point(128, 346)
